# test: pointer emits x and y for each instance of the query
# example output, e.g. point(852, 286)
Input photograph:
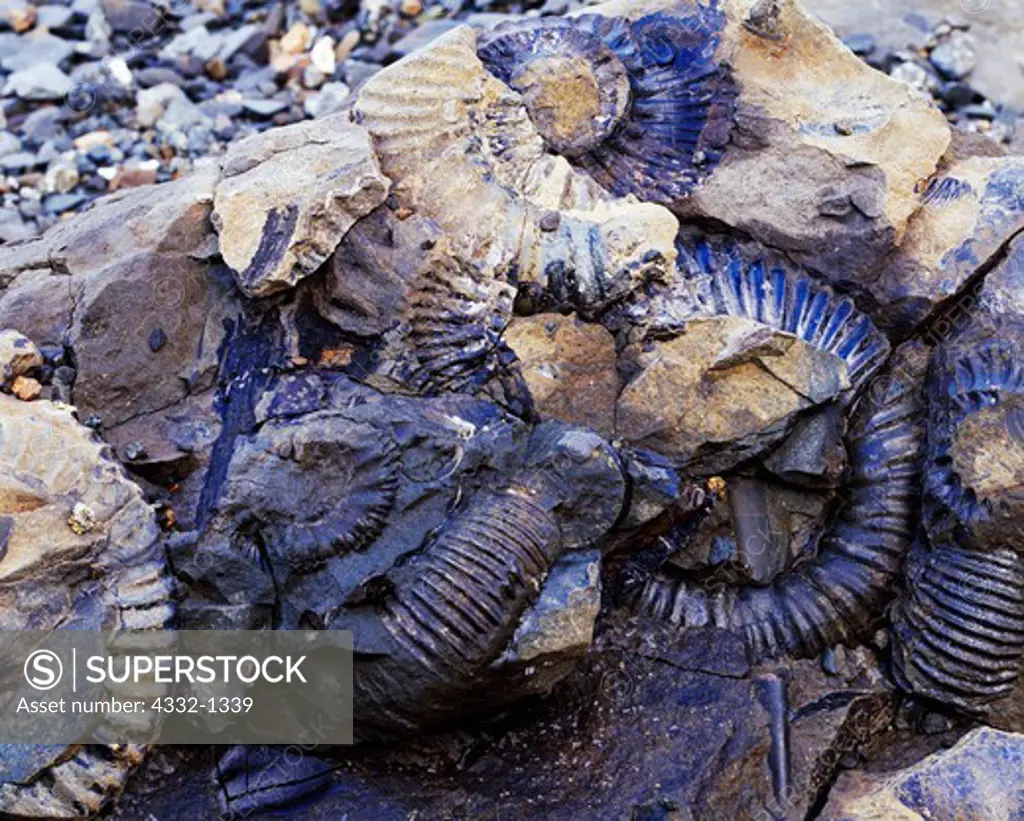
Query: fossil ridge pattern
point(837, 597)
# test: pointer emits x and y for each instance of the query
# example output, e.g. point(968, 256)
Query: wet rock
point(827, 171)
point(288, 197)
point(18, 355)
point(569, 368)
point(969, 214)
point(977, 780)
point(725, 389)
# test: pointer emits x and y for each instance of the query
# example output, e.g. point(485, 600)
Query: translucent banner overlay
point(176, 687)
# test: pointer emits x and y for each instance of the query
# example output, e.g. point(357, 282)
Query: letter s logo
point(43, 669)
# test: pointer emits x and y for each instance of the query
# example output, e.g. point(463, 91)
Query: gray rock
point(956, 57)
point(53, 16)
point(264, 108)
point(20, 161)
point(41, 82)
point(38, 48)
point(13, 228)
point(134, 17)
point(9, 144)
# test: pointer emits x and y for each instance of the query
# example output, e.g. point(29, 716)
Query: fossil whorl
point(465, 154)
point(959, 630)
point(642, 107)
point(308, 490)
point(728, 277)
point(424, 640)
point(838, 596)
point(79, 549)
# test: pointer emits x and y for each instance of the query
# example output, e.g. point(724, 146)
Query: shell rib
point(460, 608)
point(959, 630)
point(662, 107)
point(839, 596)
point(466, 155)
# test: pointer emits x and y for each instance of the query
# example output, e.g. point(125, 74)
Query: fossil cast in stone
point(439, 618)
point(465, 154)
point(79, 549)
point(959, 630)
point(837, 596)
point(642, 107)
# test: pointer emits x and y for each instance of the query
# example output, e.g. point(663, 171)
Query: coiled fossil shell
point(465, 154)
point(78, 549)
point(838, 596)
point(451, 608)
point(642, 107)
point(338, 517)
point(959, 631)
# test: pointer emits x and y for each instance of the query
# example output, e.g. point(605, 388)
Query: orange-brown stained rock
point(569, 367)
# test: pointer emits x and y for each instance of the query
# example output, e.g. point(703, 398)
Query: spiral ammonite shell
point(642, 107)
point(959, 630)
point(841, 595)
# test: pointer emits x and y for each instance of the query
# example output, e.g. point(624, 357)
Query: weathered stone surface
point(18, 355)
point(78, 550)
point(288, 196)
point(105, 283)
point(829, 170)
point(980, 779)
point(569, 367)
point(970, 213)
point(724, 390)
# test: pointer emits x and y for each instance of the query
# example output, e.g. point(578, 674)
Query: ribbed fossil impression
point(839, 595)
point(959, 630)
point(642, 107)
point(78, 549)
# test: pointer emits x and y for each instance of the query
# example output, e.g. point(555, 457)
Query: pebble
point(861, 44)
point(42, 82)
point(61, 203)
point(9, 144)
point(297, 39)
point(264, 108)
point(323, 57)
point(956, 57)
point(26, 388)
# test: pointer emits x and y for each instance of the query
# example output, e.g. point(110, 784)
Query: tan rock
point(289, 196)
point(977, 780)
point(969, 215)
point(18, 355)
point(463, 152)
point(26, 389)
point(727, 387)
point(569, 367)
point(827, 156)
point(297, 39)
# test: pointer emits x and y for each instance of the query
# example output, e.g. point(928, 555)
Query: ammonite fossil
point(642, 107)
point(836, 597)
point(465, 154)
point(444, 613)
point(78, 549)
point(959, 631)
